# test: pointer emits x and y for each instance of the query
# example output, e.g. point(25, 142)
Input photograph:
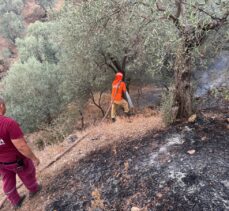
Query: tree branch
point(107, 63)
point(201, 10)
point(115, 62)
point(124, 62)
point(82, 119)
point(174, 18)
point(179, 8)
point(100, 96)
point(96, 104)
point(215, 23)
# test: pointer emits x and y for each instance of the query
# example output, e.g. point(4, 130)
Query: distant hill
point(31, 12)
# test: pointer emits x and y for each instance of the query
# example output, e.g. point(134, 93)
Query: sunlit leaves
point(12, 26)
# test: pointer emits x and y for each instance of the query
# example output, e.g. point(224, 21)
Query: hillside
point(155, 172)
point(140, 163)
point(31, 12)
point(67, 80)
point(99, 137)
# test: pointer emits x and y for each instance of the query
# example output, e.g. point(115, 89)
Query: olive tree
point(45, 4)
point(39, 43)
point(12, 26)
point(32, 84)
point(15, 6)
point(99, 38)
point(194, 22)
point(31, 92)
point(138, 37)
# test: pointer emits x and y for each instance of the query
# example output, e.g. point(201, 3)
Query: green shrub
point(39, 43)
point(221, 92)
point(15, 6)
point(12, 26)
point(63, 125)
point(31, 92)
point(46, 4)
point(39, 143)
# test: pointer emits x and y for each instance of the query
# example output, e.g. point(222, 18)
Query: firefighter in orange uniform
point(118, 89)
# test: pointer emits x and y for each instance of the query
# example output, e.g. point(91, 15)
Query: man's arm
point(25, 150)
point(18, 140)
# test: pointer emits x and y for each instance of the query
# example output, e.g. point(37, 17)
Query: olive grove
point(78, 51)
point(141, 37)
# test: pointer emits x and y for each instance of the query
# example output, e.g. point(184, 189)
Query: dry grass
point(100, 136)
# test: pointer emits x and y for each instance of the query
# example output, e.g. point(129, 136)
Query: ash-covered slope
point(154, 173)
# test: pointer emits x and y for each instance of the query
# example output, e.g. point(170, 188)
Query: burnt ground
point(154, 173)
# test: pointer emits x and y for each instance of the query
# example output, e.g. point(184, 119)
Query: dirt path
point(100, 136)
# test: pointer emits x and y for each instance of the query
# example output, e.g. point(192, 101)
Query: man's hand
point(24, 149)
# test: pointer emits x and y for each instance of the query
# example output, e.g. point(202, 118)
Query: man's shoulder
point(8, 120)
point(123, 83)
point(116, 84)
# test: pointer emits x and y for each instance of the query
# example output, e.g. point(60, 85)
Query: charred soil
point(155, 172)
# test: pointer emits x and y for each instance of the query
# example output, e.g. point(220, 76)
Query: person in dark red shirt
point(16, 158)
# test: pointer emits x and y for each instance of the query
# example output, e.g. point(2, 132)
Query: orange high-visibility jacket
point(118, 87)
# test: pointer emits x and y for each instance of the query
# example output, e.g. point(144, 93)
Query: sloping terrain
point(152, 173)
point(121, 166)
point(139, 163)
point(30, 13)
point(100, 136)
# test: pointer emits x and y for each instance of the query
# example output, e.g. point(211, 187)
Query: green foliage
point(39, 43)
point(32, 85)
point(31, 92)
point(45, 3)
point(222, 92)
point(79, 52)
point(15, 6)
point(60, 127)
point(5, 54)
point(12, 26)
point(196, 15)
point(77, 83)
point(97, 32)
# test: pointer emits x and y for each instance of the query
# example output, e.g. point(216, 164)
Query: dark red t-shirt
point(9, 129)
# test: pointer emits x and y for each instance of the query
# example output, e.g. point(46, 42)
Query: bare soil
point(153, 172)
point(118, 168)
point(100, 136)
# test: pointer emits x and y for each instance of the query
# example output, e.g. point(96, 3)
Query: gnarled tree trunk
point(183, 90)
point(191, 36)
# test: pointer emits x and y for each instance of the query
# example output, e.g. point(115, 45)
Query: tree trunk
point(183, 90)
